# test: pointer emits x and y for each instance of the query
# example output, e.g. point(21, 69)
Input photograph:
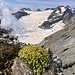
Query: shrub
point(7, 52)
point(36, 58)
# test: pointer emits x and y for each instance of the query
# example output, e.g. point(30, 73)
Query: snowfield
point(35, 35)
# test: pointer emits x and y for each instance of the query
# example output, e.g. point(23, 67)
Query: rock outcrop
point(62, 44)
point(38, 9)
point(20, 68)
point(20, 14)
point(11, 64)
point(24, 9)
point(60, 13)
point(9, 49)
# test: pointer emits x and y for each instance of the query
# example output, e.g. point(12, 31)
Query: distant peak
point(38, 9)
point(67, 6)
point(23, 9)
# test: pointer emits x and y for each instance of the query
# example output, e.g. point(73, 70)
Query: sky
point(42, 4)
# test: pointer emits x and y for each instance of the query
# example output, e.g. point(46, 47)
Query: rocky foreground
point(62, 44)
point(11, 64)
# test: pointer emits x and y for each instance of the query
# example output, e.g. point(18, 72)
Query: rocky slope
point(41, 25)
point(62, 44)
point(20, 14)
point(60, 13)
point(9, 48)
point(11, 64)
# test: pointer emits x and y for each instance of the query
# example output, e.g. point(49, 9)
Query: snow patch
point(37, 35)
point(63, 9)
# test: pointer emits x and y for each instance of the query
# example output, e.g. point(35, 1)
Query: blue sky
point(43, 3)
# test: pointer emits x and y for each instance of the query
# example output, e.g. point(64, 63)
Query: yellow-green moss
point(36, 57)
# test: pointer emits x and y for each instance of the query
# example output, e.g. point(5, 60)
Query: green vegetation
point(36, 58)
point(7, 52)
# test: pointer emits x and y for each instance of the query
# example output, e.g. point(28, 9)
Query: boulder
point(62, 44)
point(20, 68)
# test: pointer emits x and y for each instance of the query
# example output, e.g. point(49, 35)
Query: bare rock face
point(66, 16)
point(20, 68)
point(62, 44)
point(20, 14)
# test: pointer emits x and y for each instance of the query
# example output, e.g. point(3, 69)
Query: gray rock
point(47, 73)
point(20, 14)
point(73, 68)
point(0, 73)
point(62, 44)
point(24, 9)
point(46, 25)
point(68, 71)
point(20, 68)
point(6, 35)
point(67, 16)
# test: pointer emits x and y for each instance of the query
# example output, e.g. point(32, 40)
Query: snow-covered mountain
point(61, 13)
point(34, 20)
point(45, 23)
point(62, 43)
point(36, 25)
point(24, 9)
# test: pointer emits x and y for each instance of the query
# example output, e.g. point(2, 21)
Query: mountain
point(46, 22)
point(9, 20)
point(52, 29)
point(38, 9)
point(60, 13)
point(50, 9)
point(34, 21)
point(57, 27)
point(25, 9)
point(20, 14)
point(62, 43)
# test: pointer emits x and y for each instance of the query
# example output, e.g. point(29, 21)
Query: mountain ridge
point(62, 44)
